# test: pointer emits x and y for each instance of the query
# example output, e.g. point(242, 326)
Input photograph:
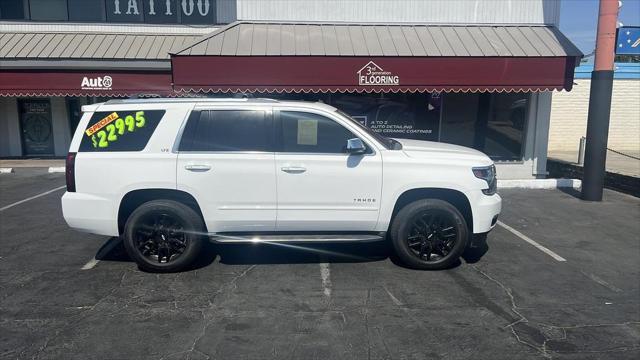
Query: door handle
point(198, 167)
point(293, 169)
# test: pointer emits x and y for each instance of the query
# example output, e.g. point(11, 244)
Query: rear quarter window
point(120, 130)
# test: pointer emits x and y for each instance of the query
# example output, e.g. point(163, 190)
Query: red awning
point(269, 74)
point(83, 83)
point(343, 57)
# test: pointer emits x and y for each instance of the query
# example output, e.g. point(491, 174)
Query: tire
point(428, 221)
point(151, 228)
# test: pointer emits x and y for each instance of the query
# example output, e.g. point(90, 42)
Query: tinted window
point(86, 10)
point(226, 130)
point(12, 9)
point(311, 133)
point(48, 9)
point(120, 130)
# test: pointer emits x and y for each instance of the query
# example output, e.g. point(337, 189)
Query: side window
point(226, 130)
point(311, 133)
point(120, 130)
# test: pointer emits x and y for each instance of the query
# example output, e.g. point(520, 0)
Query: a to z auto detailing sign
point(120, 130)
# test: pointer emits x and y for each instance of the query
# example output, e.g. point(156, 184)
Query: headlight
point(488, 174)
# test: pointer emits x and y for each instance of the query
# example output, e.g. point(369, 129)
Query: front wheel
point(429, 234)
point(163, 236)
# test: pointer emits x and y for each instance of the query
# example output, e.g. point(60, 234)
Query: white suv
point(168, 174)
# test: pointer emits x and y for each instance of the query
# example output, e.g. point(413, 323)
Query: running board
point(288, 238)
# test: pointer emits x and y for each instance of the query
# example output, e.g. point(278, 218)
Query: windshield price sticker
point(102, 123)
point(114, 126)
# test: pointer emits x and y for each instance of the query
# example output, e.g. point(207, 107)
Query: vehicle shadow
point(289, 253)
point(476, 250)
point(301, 253)
point(113, 250)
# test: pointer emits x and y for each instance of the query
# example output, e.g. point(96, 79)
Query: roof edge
point(209, 36)
point(568, 47)
point(66, 64)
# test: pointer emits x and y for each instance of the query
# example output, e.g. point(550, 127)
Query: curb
point(57, 169)
point(540, 184)
point(619, 182)
point(6, 170)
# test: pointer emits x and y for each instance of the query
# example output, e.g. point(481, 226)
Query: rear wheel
point(429, 234)
point(163, 236)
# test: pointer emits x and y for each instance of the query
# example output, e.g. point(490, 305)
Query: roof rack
point(183, 100)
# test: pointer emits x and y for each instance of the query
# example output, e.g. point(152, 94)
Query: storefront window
point(48, 10)
point(13, 9)
point(86, 10)
point(411, 116)
point(197, 12)
point(162, 12)
point(493, 123)
point(123, 11)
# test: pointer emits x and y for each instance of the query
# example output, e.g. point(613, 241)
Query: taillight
point(70, 172)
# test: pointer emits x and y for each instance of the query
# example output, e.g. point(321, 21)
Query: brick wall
point(569, 116)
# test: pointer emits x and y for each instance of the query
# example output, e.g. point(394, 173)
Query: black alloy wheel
point(429, 234)
point(164, 236)
point(159, 237)
point(432, 235)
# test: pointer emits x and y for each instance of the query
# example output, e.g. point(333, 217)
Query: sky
point(579, 20)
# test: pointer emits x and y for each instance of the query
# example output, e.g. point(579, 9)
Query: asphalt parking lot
point(560, 280)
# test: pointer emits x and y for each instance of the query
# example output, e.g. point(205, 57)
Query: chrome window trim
point(323, 154)
point(227, 152)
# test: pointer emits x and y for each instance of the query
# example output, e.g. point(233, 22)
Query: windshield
point(388, 143)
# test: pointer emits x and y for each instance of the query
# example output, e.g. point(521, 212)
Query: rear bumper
point(90, 213)
point(485, 209)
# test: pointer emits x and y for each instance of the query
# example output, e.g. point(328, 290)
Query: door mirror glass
point(356, 146)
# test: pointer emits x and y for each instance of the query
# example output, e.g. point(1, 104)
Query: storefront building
point(398, 67)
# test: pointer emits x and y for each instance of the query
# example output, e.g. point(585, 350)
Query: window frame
point(270, 144)
point(279, 148)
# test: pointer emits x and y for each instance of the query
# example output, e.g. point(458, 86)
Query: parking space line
point(90, 265)
point(601, 282)
point(532, 242)
point(325, 273)
point(31, 198)
point(113, 242)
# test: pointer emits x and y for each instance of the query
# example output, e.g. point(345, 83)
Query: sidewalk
point(616, 163)
point(31, 163)
point(8, 166)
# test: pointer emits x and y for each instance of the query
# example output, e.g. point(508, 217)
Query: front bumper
point(485, 209)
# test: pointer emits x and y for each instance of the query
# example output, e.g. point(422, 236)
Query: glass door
point(35, 123)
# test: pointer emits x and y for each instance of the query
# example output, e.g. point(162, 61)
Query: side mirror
point(356, 146)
